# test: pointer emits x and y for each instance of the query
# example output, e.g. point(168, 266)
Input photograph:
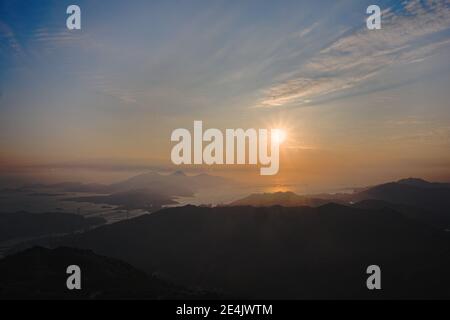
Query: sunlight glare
point(278, 135)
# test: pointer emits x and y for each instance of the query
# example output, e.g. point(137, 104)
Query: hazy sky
point(360, 106)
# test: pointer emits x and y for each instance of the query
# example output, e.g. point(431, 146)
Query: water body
point(38, 201)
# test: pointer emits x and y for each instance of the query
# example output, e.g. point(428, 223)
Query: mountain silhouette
point(424, 200)
point(149, 191)
point(177, 183)
point(415, 198)
point(286, 199)
point(436, 197)
point(174, 184)
point(280, 252)
point(179, 173)
point(40, 273)
point(24, 224)
point(421, 183)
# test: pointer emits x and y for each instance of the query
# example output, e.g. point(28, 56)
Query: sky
point(359, 106)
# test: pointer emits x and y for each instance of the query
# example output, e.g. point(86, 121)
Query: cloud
point(107, 88)
point(303, 33)
point(63, 36)
point(8, 37)
point(408, 35)
point(431, 136)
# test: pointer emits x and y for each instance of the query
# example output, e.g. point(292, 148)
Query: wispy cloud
point(63, 36)
point(8, 37)
point(431, 136)
point(409, 35)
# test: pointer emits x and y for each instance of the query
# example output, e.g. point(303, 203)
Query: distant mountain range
point(416, 192)
point(148, 191)
point(174, 184)
point(40, 273)
point(286, 199)
point(427, 201)
point(281, 245)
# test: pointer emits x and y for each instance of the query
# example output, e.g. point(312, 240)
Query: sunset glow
point(279, 135)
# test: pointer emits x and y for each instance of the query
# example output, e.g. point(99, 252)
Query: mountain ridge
point(280, 252)
point(40, 273)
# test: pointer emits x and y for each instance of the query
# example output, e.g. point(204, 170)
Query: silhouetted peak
point(413, 181)
point(36, 274)
point(281, 198)
point(333, 206)
point(179, 173)
point(287, 193)
point(421, 183)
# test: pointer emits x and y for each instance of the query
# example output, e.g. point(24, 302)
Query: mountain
point(416, 182)
point(24, 224)
point(149, 191)
point(40, 273)
point(410, 191)
point(416, 198)
point(286, 199)
point(428, 202)
point(436, 198)
point(175, 184)
point(280, 252)
point(438, 220)
point(170, 185)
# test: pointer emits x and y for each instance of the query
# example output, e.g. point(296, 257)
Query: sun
point(282, 129)
point(279, 135)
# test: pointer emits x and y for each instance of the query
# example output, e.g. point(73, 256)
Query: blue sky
point(139, 69)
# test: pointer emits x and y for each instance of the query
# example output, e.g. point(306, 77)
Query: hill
point(40, 273)
point(24, 224)
point(416, 198)
point(286, 199)
point(279, 252)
